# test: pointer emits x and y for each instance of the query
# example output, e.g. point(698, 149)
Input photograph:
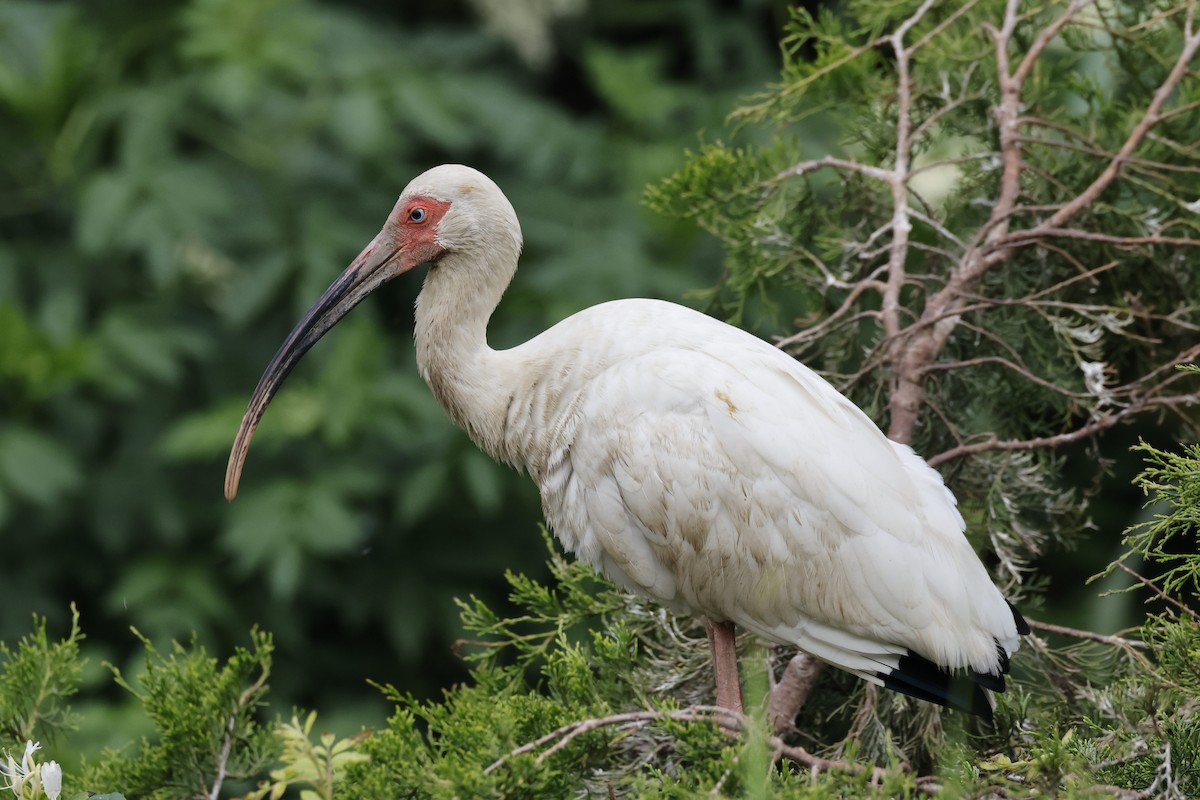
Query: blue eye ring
point(417, 214)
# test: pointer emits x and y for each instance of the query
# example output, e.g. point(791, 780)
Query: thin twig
point(727, 720)
point(1035, 235)
point(1159, 592)
point(723, 717)
point(1116, 641)
point(805, 167)
point(1091, 428)
point(223, 758)
point(1051, 386)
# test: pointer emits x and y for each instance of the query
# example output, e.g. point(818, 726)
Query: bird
point(688, 461)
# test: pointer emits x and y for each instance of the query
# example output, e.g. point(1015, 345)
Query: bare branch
point(1044, 37)
point(1116, 641)
point(808, 80)
point(1019, 369)
point(808, 334)
point(941, 26)
point(1159, 592)
point(729, 721)
point(1090, 428)
point(805, 167)
point(937, 226)
point(826, 326)
point(1036, 235)
point(223, 758)
point(1097, 152)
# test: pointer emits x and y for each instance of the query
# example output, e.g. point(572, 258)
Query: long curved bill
point(378, 263)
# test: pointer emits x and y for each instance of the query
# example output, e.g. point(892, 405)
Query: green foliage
point(531, 677)
point(318, 766)
point(207, 724)
point(1171, 539)
point(37, 678)
point(552, 612)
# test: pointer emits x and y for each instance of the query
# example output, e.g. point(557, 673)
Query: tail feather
point(1022, 625)
point(919, 677)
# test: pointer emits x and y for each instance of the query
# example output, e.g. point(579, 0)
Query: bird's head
point(447, 210)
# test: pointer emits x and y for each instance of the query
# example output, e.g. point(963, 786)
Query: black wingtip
point(919, 677)
point(1022, 625)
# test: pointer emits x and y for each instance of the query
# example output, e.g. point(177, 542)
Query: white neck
point(469, 379)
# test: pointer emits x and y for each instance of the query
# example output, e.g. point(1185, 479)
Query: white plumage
point(688, 460)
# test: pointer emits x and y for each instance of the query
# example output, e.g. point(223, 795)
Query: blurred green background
point(180, 180)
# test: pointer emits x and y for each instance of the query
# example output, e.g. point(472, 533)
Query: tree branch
point(223, 758)
point(729, 721)
point(1158, 592)
point(1116, 641)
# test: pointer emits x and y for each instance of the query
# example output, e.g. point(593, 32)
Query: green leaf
point(104, 210)
point(359, 122)
point(422, 490)
point(35, 467)
point(273, 530)
point(37, 677)
point(631, 82)
point(483, 481)
point(204, 434)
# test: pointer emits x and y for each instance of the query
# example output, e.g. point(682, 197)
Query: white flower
point(52, 779)
point(16, 774)
point(12, 775)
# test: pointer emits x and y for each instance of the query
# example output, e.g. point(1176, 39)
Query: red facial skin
point(415, 230)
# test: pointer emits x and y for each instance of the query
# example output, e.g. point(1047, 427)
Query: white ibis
point(688, 461)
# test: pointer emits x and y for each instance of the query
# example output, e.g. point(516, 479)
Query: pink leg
point(724, 655)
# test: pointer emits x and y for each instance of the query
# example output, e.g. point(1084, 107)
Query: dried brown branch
point(1019, 369)
point(1116, 641)
point(1037, 235)
point(912, 353)
point(1149, 584)
point(1090, 428)
point(731, 722)
point(789, 695)
point(562, 736)
point(805, 167)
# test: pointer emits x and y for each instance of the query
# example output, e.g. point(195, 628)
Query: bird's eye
point(416, 215)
